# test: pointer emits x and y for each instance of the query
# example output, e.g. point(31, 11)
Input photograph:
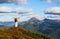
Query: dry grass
point(20, 33)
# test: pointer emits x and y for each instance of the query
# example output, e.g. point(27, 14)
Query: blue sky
point(38, 7)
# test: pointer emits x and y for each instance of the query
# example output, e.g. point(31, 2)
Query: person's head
point(16, 19)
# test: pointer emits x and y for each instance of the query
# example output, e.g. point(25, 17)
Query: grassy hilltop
point(20, 33)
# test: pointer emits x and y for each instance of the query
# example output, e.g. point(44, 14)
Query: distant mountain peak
point(34, 19)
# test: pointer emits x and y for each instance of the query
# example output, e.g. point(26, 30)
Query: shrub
point(20, 37)
point(4, 37)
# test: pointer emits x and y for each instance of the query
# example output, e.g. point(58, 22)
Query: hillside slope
point(20, 33)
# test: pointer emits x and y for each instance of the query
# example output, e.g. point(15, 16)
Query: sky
point(26, 9)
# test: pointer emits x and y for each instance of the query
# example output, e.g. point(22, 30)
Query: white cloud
point(24, 11)
point(5, 10)
point(58, 0)
point(53, 10)
point(53, 13)
point(19, 1)
point(17, 11)
point(49, 1)
point(14, 1)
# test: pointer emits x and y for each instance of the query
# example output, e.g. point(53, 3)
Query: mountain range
point(46, 26)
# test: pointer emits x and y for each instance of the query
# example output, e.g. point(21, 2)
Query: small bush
point(4, 37)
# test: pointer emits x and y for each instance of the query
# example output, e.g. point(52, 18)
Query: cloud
point(24, 11)
point(58, 0)
point(16, 11)
point(14, 1)
point(53, 10)
point(6, 10)
point(49, 1)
